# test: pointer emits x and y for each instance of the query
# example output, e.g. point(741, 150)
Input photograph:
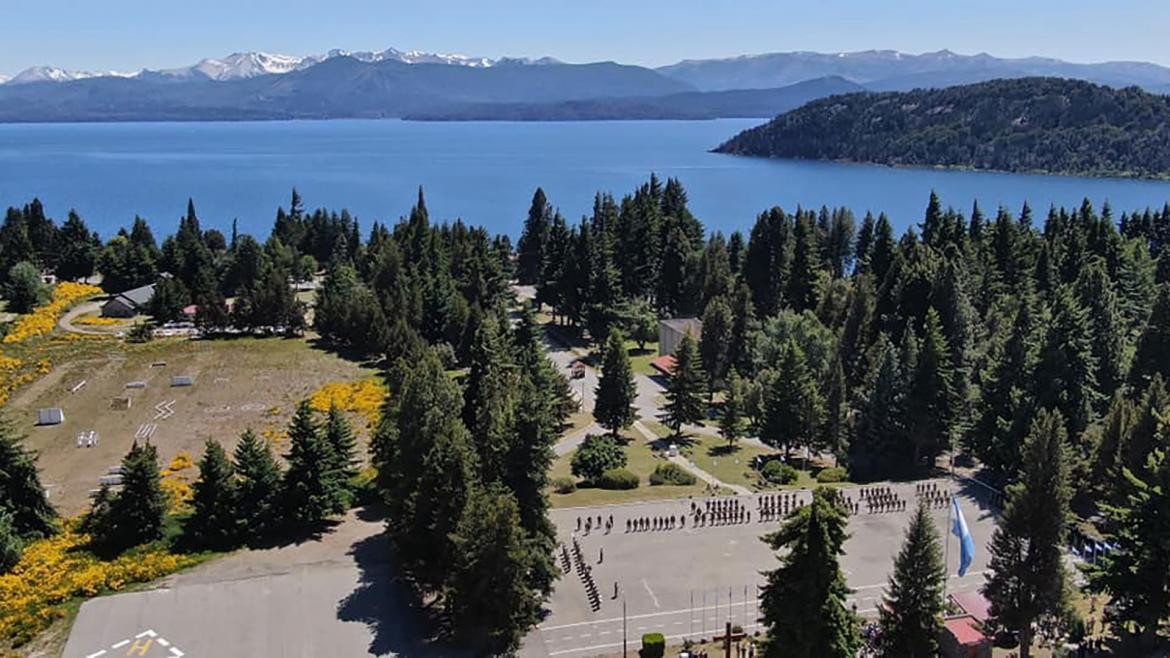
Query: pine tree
point(534, 239)
point(1066, 376)
point(437, 503)
point(880, 448)
point(32, 517)
point(339, 434)
point(912, 611)
point(731, 420)
point(259, 485)
point(804, 285)
point(1154, 343)
point(715, 341)
point(489, 596)
point(1136, 575)
point(136, 513)
point(833, 430)
point(614, 398)
point(803, 601)
point(793, 405)
point(312, 486)
point(931, 401)
point(1027, 581)
point(214, 522)
point(686, 389)
point(1008, 397)
point(1108, 333)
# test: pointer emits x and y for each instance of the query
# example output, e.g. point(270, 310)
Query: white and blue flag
point(966, 543)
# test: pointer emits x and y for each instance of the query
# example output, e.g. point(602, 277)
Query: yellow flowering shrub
point(53, 571)
point(43, 318)
point(176, 483)
point(96, 321)
point(364, 397)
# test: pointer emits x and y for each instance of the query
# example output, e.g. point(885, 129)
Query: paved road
point(334, 597)
point(660, 573)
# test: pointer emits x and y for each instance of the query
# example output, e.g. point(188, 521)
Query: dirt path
point(66, 321)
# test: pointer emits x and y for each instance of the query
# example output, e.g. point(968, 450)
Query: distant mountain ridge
point(254, 63)
point(687, 105)
point(394, 83)
point(1044, 125)
point(890, 70)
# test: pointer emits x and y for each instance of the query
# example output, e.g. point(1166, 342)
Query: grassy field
point(642, 459)
point(239, 384)
point(732, 466)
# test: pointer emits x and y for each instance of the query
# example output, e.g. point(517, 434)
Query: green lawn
point(642, 460)
point(732, 466)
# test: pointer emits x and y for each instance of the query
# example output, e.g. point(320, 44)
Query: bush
point(671, 473)
point(777, 472)
point(564, 485)
point(653, 645)
point(618, 478)
point(597, 455)
point(834, 474)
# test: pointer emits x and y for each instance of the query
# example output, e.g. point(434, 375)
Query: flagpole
point(947, 552)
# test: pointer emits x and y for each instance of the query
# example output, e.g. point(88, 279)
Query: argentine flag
point(966, 543)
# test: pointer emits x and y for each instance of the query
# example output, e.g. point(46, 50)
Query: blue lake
point(482, 172)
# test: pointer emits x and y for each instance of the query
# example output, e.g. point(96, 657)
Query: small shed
point(671, 332)
point(50, 416)
point(129, 303)
point(182, 380)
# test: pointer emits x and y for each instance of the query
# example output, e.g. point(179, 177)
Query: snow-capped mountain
point(251, 64)
point(54, 74)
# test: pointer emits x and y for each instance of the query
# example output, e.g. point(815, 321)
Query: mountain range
point(411, 84)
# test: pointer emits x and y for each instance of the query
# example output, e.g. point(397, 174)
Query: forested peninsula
point(1044, 125)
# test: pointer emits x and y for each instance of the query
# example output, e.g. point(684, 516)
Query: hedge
point(618, 478)
point(778, 472)
point(653, 645)
point(671, 473)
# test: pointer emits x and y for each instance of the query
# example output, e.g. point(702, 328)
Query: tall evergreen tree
point(1027, 583)
point(732, 419)
point(489, 596)
point(1154, 343)
point(931, 401)
point(715, 341)
point(312, 487)
point(686, 389)
point(534, 239)
point(1136, 575)
point(11, 545)
point(135, 514)
point(1108, 332)
point(803, 601)
point(793, 407)
point(258, 487)
point(879, 447)
point(1066, 376)
point(911, 614)
point(339, 434)
point(613, 406)
point(32, 517)
point(804, 285)
point(214, 522)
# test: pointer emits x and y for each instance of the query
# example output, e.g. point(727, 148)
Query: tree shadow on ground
point(722, 450)
point(385, 602)
point(347, 353)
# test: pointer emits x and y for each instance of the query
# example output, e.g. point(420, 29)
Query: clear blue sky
point(132, 34)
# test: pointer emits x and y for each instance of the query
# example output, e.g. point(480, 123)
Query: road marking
point(145, 633)
point(163, 642)
point(176, 652)
point(650, 592)
point(120, 644)
point(95, 655)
